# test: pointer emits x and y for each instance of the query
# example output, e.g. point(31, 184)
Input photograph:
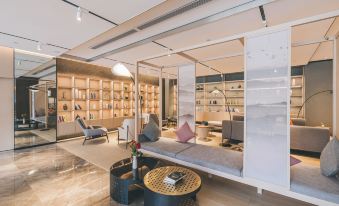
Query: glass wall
point(35, 99)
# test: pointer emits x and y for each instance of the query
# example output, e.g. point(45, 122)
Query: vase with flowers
point(135, 153)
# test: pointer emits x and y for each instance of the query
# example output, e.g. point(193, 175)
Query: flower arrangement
point(135, 148)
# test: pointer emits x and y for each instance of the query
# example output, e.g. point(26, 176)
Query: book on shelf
point(174, 177)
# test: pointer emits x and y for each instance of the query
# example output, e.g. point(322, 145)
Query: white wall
point(7, 98)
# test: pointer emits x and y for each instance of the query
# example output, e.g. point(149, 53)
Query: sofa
point(304, 138)
point(216, 158)
point(311, 139)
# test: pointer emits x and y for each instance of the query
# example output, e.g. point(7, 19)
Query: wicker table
point(123, 187)
point(159, 193)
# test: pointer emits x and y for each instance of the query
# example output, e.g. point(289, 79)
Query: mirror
point(35, 99)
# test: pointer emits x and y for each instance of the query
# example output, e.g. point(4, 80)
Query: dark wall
point(22, 95)
point(318, 77)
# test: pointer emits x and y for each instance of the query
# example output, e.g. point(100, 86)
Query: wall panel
point(186, 95)
point(7, 99)
point(267, 107)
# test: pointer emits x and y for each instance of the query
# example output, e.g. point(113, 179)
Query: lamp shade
point(120, 70)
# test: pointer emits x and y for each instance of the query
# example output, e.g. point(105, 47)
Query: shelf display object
point(209, 102)
point(99, 101)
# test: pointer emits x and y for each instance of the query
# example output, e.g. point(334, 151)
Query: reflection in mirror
point(35, 99)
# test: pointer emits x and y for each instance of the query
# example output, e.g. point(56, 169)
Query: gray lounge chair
point(92, 132)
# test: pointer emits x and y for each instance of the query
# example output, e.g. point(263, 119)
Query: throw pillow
point(151, 131)
point(184, 133)
point(143, 138)
point(294, 161)
point(329, 158)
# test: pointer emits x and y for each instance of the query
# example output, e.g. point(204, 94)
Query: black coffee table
point(124, 188)
point(158, 193)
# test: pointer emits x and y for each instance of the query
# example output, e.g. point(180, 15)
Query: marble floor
point(52, 175)
point(34, 137)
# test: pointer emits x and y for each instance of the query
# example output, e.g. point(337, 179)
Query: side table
point(159, 193)
point(123, 187)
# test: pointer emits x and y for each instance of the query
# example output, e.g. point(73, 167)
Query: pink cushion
point(184, 133)
point(294, 161)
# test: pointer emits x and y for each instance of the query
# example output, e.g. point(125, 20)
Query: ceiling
point(103, 20)
point(28, 64)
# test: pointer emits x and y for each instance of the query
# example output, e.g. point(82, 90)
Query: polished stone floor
point(49, 175)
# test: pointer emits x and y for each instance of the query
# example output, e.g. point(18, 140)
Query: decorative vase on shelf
point(65, 107)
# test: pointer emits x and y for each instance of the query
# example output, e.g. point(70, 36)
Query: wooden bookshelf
point(96, 99)
point(234, 90)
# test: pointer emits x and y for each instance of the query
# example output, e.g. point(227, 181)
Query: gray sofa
point(305, 138)
point(308, 180)
point(216, 158)
point(312, 139)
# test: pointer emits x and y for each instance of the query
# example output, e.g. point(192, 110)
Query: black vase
point(65, 107)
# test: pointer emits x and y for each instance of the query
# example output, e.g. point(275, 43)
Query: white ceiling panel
point(229, 48)
point(51, 21)
point(204, 71)
point(333, 31)
point(136, 53)
point(237, 24)
point(311, 32)
point(173, 60)
point(227, 65)
point(324, 51)
point(182, 19)
point(288, 10)
point(301, 55)
point(25, 62)
point(117, 11)
point(23, 44)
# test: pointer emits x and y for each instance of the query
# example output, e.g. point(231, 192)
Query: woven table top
point(154, 181)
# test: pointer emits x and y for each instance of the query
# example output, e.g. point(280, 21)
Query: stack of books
point(174, 177)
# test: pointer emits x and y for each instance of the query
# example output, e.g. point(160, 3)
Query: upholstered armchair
point(92, 132)
point(126, 131)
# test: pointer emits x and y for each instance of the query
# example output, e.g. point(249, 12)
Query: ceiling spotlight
point(79, 14)
point(38, 46)
point(169, 52)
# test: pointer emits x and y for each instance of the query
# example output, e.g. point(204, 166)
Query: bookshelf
point(234, 90)
point(207, 101)
point(97, 99)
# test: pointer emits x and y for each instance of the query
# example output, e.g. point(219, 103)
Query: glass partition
point(35, 99)
point(267, 107)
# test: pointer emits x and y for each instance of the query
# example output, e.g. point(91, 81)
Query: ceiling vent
point(174, 13)
point(123, 35)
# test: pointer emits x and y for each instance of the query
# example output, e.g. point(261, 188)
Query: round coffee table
point(159, 193)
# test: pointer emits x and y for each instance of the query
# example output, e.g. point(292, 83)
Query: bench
point(307, 183)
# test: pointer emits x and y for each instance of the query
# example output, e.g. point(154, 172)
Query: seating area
point(305, 179)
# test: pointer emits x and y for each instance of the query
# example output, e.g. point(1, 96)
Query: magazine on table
point(174, 177)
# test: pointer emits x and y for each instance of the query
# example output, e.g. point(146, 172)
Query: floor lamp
point(310, 97)
point(120, 70)
point(228, 143)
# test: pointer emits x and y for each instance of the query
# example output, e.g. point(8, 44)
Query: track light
point(169, 52)
point(38, 46)
point(79, 14)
